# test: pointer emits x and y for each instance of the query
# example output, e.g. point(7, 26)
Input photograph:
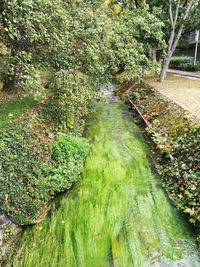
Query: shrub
point(68, 155)
point(189, 67)
point(27, 180)
point(177, 61)
point(184, 63)
point(69, 147)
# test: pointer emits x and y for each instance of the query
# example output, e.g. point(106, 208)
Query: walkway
point(184, 91)
point(184, 73)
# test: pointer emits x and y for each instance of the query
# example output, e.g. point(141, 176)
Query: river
point(118, 215)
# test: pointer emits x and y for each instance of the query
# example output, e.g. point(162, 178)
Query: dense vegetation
point(32, 170)
point(177, 146)
point(82, 44)
point(74, 35)
point(184, 63)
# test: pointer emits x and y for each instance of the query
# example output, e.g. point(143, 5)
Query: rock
point(8, 233)
point(3, 220)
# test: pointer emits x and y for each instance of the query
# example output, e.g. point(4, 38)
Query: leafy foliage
point(177, 60)
point(184, 63)
point(30, 28)
point(182, 176)
point(68, 155)
point(21, 173)
point(177, 148)
point(69, 104)
point(76, 35)
point(66, 149)
point(27, 180)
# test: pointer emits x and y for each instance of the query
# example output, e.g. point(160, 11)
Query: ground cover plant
point(177, 146)
point(11, 109)
point(32, 172)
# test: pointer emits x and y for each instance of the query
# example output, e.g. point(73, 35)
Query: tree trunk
point(13, 83)
point(17, 78)
point(165, 68)
point(154, 57)
point(175, 34)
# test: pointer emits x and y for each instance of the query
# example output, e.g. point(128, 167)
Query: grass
point(11, 109)
point(118, 215)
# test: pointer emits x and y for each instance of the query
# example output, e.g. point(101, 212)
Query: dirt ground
point(183, 91)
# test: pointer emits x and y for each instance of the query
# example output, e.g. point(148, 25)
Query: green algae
point(118, 215)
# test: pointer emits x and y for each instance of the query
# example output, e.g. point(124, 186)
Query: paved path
point(184, 73)
point(184, 91)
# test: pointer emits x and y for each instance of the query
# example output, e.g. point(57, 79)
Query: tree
point(30, 27)
point(76, 35)
point(179, 14)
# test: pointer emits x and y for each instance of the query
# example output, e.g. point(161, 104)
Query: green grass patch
point(11, 109)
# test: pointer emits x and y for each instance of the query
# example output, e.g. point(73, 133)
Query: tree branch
point(190, 6)
point(177, 12)
point(171, 13)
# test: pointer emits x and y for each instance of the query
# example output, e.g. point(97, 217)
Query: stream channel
point(118, 215)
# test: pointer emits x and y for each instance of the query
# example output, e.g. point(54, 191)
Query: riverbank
point(42, 152)
point(176, 145)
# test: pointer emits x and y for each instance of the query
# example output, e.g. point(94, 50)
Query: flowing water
point(118, 215)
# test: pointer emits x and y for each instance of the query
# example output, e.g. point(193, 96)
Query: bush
point(190, 67)
point(68, 155)
point(27, 180)
point(184, 63)
point(67, 148)
point(177, 61)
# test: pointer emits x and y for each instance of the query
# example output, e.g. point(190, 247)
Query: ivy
point(27, 180)
point(177, 148)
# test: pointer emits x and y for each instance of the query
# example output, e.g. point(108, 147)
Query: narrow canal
point(118, 215)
